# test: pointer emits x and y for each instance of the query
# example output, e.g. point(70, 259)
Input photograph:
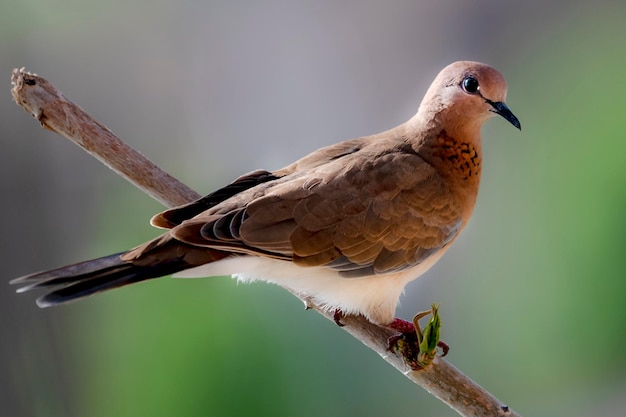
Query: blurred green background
point(532, 294)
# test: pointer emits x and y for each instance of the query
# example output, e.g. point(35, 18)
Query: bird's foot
point(418, 347)
point(402, 326)
point(405, 339)
point(337, 316)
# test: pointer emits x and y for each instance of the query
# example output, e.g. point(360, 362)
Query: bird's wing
point(175, 216)
point(366, 211)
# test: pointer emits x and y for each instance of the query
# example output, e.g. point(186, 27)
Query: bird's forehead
point(492, 83)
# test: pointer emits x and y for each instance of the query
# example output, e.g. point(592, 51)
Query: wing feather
point(363, 212)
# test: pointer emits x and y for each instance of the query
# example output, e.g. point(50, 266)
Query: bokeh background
point(532, 294)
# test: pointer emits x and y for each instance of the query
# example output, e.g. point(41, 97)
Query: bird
point(347, 226)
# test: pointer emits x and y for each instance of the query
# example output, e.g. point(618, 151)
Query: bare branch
point(55, 112)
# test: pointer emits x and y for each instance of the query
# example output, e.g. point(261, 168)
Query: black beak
point(504, 111)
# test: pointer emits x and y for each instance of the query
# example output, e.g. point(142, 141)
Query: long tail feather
point(83, 279)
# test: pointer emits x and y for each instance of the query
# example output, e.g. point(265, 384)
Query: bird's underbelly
point(375, 297)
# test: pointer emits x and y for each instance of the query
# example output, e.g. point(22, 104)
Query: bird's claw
point(337, 316)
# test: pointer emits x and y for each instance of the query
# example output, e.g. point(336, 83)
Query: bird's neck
point(455, 151)
point(457, 157)
point(453, 156)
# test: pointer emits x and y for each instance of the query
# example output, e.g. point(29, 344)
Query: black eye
point(470, 84)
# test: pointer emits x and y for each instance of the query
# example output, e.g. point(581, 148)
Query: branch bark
point(57, 113)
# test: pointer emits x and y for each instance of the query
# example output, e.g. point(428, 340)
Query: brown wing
point(362, 213)
point(175, 216)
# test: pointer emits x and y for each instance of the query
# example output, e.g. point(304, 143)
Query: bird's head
point(465, 94)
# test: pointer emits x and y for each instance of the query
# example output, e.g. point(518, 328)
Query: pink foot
point(337, 316)
point(402, 326)
point(406, 331)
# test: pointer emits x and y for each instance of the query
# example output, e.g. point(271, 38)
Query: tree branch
point(55, 112)
point(58, 114)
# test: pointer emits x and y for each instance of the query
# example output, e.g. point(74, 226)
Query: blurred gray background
point(532, 294)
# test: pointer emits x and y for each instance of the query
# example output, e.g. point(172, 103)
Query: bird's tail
point(83, 279)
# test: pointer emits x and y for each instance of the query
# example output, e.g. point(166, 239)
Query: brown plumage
point(348, 225)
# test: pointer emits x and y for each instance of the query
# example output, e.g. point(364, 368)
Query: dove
point(347, 226)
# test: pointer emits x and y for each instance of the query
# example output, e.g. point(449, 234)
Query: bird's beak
point(504, 111)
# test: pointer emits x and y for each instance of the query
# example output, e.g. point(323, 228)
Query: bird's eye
point(470, 84)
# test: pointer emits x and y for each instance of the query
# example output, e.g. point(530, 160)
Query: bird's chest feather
point(456, 159)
